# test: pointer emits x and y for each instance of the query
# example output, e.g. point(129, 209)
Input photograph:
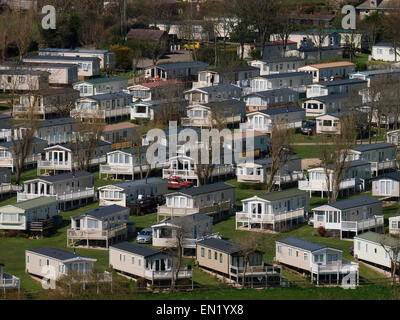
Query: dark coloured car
point(308, 127)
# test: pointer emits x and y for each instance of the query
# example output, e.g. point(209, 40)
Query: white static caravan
point(124, 192)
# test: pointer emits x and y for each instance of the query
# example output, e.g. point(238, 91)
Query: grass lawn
point(12, 253)
point(305, 152)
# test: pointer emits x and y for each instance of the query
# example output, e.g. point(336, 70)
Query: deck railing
point(269, 218)
point(96, 234)
point(81, 194)
point(9, 282)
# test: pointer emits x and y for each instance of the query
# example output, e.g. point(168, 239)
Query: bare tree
point(335, 155)
point(286, 25)
point(319, 36)
point(87, 137)
point(391, 28)
point(280, 150)
point(391, 245)
point(5, 32)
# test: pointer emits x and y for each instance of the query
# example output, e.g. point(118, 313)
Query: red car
point(178, 183)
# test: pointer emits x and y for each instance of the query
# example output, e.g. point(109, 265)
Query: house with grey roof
point(208, 114)
point(106, 57)
point(137, 261)
point(107, 106)
point(239, 76)
point(276, 211)
point(258, 171)
point(65, 157)
point(356, 179)
point(226, 259)
point(125, 192)
point(71, 189)
point(53, 263)
point(377, 249)
point(330, 104)
point(87, 66)
point(386, 185)
point(297, 81)
point(343, 86)
point(176, 70)
point(102, 85)
point(350, 216)
point(384, 51)
point(7, 158)
point(322, 263)
point(215, 93)
point(8, 281)
point(7, 189)
point(265, 120)
point(215, 199)
point(278, 65)
point(26, 215)
point(192, 228)
point(376, 75)
point(261, 100)
point(60, 74)
point(99, 228)
point(381, 156)
point(56, 131)
point(22, 80)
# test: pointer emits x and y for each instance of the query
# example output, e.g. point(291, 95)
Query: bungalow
point(277, 211)
point(330, 104)
point(108, 106)
point(66, 157)
point(239, 76)
point(60, 74)
point(329, 71)
point(6, 187)
point(53, 264)
point(381, 156)
point(376, 249)
point(330, 123)
point(46, 103)
point(344, 86)
point(228, 259)
point(8, 281)
point(324, 264)
point(264, 120)
point(278, 65)
point(268, 99)
point(87, 66)
point(358, 174)
point(208, 114)
point(293, 80)
point(192, 228)
point(7, 157)
point(373, 76)
point(95, 86)
point(393, 137)
point(125, 192)
point(216, 93)
point(27, 214)
point(394, 225)
point(139, 261)
point(350, 216)
point(386, 185)
point(311, 54)
point(258, 171)
point(384, 51)
point(120, 135)
point(56, 131)
point(215, 199)
point(124, 163)
point(23, 80)
point(184, 167)
point(176, 70)
point(71, 190)
point(99, 227)
point(106, 57)
point(160, 91)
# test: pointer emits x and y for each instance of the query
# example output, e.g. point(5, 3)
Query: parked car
point(308, 127)
point(145, 236)
point(179, 183)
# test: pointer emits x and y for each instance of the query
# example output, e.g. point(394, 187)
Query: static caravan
point(278, 65)
point(387, 185)
point(125, 192)
point(95, 86)
point(329, 71)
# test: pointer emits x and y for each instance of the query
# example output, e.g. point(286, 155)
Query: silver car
point(145, 236)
